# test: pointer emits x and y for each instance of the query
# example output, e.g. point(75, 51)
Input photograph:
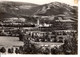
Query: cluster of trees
point(69, 47)
point(11, 50)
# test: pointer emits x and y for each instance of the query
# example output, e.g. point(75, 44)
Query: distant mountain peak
point(54, 8)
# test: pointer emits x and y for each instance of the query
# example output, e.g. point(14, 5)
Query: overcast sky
point(71, 2)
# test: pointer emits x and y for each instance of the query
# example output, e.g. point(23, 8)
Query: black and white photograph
point(45, 27)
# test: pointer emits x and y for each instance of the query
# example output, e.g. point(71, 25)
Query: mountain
point(13, 9)
point(56, 9)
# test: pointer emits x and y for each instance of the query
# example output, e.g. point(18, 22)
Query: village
point(47, 36)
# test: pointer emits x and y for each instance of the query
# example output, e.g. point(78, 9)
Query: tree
point(68, 46)
point(47, 51)
point(3, 50)
point(10, 50)
point(54, 50)
point(17, 51)
point(21, 50)
point(74, 47)
point(21, 35)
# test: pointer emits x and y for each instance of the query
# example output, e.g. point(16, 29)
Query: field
point(7, 41)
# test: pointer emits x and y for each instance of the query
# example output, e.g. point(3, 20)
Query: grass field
point(10, 41)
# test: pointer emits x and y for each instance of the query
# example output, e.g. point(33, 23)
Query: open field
point(10, 41)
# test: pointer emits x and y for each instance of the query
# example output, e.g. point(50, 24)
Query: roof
point(65, 20)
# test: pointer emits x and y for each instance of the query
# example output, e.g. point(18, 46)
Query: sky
point(40, 2)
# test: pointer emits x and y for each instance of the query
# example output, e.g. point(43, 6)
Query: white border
point(14, 55)
point(78, 27)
